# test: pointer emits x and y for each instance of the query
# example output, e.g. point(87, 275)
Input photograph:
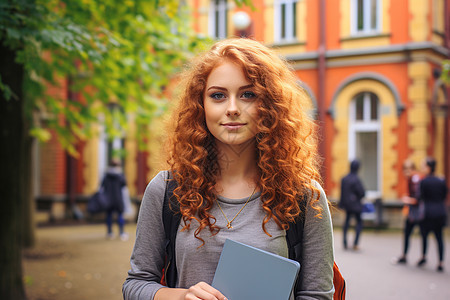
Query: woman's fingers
point(204, 291)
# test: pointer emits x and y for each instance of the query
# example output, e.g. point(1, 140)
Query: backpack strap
point(171, 217)
point(294, 239)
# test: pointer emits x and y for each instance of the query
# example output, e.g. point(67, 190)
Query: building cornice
point(391, 49)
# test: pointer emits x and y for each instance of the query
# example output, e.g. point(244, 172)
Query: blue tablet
point(245, 272)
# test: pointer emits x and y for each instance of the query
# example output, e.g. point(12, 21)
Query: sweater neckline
point(238, 201)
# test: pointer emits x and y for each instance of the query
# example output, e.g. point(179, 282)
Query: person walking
point(352, 193)
point(114, 186)
point(415, 208)
point(433, 192)
point(243, 158)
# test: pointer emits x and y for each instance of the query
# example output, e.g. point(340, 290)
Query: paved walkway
point(372, 274)
point(77, 263)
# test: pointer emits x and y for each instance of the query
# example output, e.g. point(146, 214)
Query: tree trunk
point(12, 168)
point(28, 208)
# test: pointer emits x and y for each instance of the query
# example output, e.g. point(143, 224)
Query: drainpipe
point(321, 84)
point(447, 112)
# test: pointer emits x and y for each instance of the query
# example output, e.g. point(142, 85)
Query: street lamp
point(242, 22)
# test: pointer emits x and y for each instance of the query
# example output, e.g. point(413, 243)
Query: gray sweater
point(196, 263)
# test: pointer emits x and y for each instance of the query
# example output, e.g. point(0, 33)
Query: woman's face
point(425, 168)
point(231, 105)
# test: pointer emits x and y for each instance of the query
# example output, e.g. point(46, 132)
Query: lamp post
point(242, 24)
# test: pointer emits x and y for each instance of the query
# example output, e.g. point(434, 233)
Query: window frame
point(289, 22)
point(367, 13)
point(218, 27)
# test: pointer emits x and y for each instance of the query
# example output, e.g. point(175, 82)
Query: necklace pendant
point(229, 225)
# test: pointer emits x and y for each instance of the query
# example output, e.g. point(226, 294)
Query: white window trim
point(290, 38)
point(354, 19)
point(223, 15)
point(366, 125)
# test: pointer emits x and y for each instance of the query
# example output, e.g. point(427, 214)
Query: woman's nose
point(232, 108)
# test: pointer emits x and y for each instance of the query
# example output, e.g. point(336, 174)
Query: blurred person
point(433, 192)
point(414, 208)
point(352, 193)
point(116, 193)
point(245, 167)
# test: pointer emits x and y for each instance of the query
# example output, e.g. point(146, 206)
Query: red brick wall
point(52, 168)
point(52, 157)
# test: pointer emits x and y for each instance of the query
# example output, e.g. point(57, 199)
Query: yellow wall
point(439, 135)
point(389, 121)
point(131, 148)
point(418, 112)
point(419, 25)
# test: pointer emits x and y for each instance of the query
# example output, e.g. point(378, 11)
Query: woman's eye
point(217, 96)
point(248, 95)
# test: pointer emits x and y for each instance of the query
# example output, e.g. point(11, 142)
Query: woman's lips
point(233, 126)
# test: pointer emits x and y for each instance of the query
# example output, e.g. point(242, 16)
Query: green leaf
point(41, 134)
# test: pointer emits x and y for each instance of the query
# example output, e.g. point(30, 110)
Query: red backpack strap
point(339, 283)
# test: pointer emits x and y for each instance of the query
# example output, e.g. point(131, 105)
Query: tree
point(121, 52)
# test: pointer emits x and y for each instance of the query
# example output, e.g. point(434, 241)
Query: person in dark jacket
point(114, 184)
point(433, 192)
point(352, 192)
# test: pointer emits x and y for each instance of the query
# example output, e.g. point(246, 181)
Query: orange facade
point(338, 54)
point(370, 66)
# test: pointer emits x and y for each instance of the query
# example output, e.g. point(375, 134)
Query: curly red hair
point(285, 142)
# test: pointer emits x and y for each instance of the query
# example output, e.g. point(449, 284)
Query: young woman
point(411, 202)
point(243, 156)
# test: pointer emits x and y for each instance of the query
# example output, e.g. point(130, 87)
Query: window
point(366, 16)
point(366, 105)
point(364, 139)
point(285, 21)
point(110, 147)
point(218, 22)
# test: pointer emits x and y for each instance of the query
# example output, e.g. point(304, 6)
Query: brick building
point(371, 68)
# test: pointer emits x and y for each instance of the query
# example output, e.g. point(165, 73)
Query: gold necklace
point(228, 221)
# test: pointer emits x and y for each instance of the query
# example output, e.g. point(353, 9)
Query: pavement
point(371, 272)
point(78, 262)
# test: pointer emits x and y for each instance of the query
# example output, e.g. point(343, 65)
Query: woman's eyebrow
point(216, 88)
point(246, 87)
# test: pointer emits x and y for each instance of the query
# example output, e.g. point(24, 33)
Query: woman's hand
point(199, 291)
point(409, 200)
point(203, 291)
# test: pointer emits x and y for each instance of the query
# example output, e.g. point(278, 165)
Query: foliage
point(116, 56)
point(445, 75)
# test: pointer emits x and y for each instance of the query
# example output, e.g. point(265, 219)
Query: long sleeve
point(318, 254)
point(147, 258)
point(360, 192)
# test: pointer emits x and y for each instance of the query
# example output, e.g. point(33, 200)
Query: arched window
point(364, 140)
